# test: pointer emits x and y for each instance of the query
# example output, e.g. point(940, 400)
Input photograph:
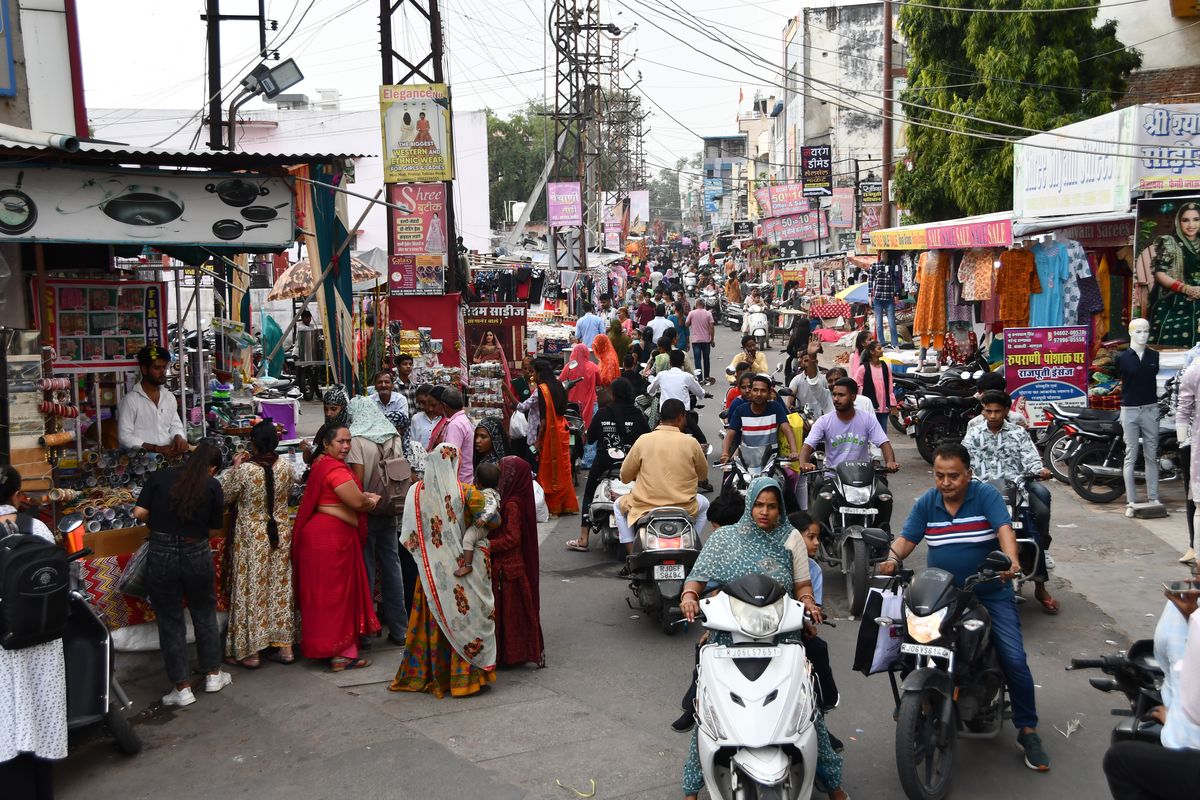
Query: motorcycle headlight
point(756, 621)
point(709, 718)
point(926, 629)
point(857, 495)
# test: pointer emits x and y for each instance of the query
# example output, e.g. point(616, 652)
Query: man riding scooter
point(757, 423)
point(1002, 450)
point(750, 354)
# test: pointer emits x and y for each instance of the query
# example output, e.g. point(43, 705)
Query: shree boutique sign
point(1046, 365)
point(1168, 139)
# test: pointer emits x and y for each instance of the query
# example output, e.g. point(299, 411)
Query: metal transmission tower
point(641, 178)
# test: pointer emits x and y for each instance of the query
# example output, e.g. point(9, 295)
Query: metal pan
point(229, 229)
point(262, 213)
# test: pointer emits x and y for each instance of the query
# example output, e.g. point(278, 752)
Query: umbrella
point(297, 280)
point(854, 294)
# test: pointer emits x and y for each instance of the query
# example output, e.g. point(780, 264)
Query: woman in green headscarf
point(1176, 295)
point(620, 340)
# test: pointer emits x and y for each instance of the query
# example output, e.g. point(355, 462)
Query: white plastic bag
point(539, 501)
point(518, 425)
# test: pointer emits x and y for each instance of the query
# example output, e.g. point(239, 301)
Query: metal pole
point(180, 345)
point(887, 112)
point(199, 353)
point(216, 139)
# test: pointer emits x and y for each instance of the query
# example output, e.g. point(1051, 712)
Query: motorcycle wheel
point(924, 767)
point(127, 741)
point(664, 622)
point(1091, 487)
point(930, 433)
point(764, 792)
point(763, 341)
point(1056, 455)
point(858, 576)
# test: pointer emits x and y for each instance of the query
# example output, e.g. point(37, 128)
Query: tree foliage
point(517, 148)
point(664, 196)
point(1039, 71)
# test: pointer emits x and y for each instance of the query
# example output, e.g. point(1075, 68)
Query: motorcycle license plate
point(924, 650)
point(864, 511)
point(1017, 525)
point(668, 572)
point(748, 652)
point(911, 430)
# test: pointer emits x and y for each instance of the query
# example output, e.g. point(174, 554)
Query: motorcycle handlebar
point(1087, 663)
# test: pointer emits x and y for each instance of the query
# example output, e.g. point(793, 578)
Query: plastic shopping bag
point(879, 645)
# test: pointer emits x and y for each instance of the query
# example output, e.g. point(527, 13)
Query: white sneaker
point(1188, 557)
point(215, 683)
point(179, 697)
point(1049, 561)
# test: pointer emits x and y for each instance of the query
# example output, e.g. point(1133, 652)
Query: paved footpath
point(600, 710)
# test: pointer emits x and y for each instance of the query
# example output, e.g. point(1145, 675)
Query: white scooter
point(756, 324)
point(602, 513)
point(755, 706)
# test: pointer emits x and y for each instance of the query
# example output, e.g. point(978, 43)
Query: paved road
point(601, 709)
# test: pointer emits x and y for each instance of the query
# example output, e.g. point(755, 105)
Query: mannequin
point(1139, 410)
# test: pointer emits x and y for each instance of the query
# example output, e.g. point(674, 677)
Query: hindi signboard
point(1046, 365)
point(423, 274)
point(788, 198)
point(417, 141)
point(564, 204)
point(423, 229)
point(816, 170)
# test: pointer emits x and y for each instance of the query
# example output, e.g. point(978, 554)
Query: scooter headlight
point(857, 495)
point(805, 712)
point(709, 718)
point(926, 629)
point(756, 621)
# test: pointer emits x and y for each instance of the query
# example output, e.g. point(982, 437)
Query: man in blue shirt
point(589, 326)
point(963, 520)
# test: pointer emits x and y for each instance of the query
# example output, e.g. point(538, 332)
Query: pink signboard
point(1046, 365)
point(996, 233)
point(564, 204)
point(788, 198)
point(423, 229)
point(804, 227)
point(763, 196)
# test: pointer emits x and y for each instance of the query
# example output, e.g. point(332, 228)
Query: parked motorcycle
point(665, 547)
point(754, 698)
point(603, 520)
point(1096, 471)
point(944, 409)
point(1057, 442)
point(1137, 675)
point(94, 696)
point(954, 685)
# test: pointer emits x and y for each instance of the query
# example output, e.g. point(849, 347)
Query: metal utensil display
point(229, 229)
point(262, 213)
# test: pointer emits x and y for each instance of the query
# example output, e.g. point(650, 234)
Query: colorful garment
point(457, 614)
point(1008, 454)
point(515, 566)
point(929, 321)
point(262, 611)
point(957, 309)
point(581, 369)
point(975, 273)
point(495, 429)
point(554, 460)
point(610, 367)
point(1015, 282)
point(1078, 270)
point(1053, 269)
point(1176, 317)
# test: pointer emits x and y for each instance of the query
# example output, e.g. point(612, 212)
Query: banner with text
point(423, 229)
point(788, 198)
point(506, 321)
point(1046, 365)
point(417, 141)
point(564, 204)
point(816, 170)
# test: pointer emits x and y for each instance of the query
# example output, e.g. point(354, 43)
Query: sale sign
point(1046, 365)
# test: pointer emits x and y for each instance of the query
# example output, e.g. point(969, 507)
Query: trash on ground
point(578, 793)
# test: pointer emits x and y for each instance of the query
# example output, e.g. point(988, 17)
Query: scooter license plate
point(748, 652)
point(668, 572)
point(864, 511)
point(924, 650)
point(911, 430)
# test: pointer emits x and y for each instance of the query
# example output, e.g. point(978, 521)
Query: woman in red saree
point(336, 606)
point(606, 354)
point(581, 369)
point(554, 443)
point(515, 568)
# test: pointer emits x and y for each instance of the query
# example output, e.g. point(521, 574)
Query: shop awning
point(984, 230)
point(1112, 225)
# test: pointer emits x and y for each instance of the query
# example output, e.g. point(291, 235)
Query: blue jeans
point(701, 357)
point(890, 307)
point(1010, 647)
point(383, 547)
point(179, 569)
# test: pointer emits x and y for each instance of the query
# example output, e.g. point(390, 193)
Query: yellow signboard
point(417, 140)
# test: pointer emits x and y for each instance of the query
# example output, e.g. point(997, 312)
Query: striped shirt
point(959, 542)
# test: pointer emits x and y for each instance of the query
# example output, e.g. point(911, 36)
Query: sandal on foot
point(574, 544)
point(250, 662)
point(280, 658)
point(1049, 605)
point(338, 664)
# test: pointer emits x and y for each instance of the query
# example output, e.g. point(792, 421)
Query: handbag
point(878, 645)
point(135, 578)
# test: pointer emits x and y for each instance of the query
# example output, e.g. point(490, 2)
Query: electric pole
point(213, 17)
point(887, 113)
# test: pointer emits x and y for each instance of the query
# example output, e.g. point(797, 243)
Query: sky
point(498, 56)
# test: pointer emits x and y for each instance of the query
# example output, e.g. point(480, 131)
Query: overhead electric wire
point(1096, 7)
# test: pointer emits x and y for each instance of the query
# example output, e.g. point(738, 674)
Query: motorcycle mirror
point(876, 537)
point(708, 449)
point(730, 371)
point(996, 561)
point(779, 367)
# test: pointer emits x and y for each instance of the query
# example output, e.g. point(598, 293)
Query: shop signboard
point(612, 228)
point(763, 197)
point(805, 227)
point(788, 198)
point(423, 229)
point(98, 326)
point(977, 233)
point(506, 321)
point(871, 193)
point(1166, 231)
point(846, 241)
point(639, 212)
point(564, 204)
point(816, 170)
point(898, 238)
point(841, 210)
point(1046, 365)
point(423, 274)
point(713, 188)
point(1168, 139)
point(417, 140)
point(743, 228)
point(790, 249)
point(1083, 168)
point(99, 206)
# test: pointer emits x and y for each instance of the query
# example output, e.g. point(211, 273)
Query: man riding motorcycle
point(1002, 450)
point(964, 520)
point(750, 355)
point(757, 422)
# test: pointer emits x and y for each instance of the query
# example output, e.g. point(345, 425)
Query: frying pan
point(262, 213)
point(229, 229)
point(144, 205)
point(16, 203)
point(237, 192)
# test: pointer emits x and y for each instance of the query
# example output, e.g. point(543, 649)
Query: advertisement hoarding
point(423, 230)
point(816, 170)
point(100, 325)
point(417, 140)
point(1046, 365)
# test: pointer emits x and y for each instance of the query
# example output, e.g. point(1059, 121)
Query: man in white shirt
point(588, 327)
point(660, 324)
point(809, 387)
point(606, 312)
point(675, 383)
point(147, 415)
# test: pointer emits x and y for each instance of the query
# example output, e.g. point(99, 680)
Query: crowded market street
point(602, 707)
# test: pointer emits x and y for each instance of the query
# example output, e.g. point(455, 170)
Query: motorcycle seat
point(1099, 414)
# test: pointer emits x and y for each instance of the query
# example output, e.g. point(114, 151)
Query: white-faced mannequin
point(1139, 336)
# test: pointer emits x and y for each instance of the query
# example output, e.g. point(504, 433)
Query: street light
point(267, 81)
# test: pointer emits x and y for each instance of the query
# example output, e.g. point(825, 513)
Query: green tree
point(664, 196)
point(517, 148)
point(1039, 71)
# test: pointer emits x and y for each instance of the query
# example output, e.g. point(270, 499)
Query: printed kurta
point(1015, 282)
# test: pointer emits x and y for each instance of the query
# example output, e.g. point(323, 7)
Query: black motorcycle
point(941, 410)
point(1057, 442)
point(1096, 472)
point(953, 684)
point(1137, 675)
point(854, 493)
point(1029, 547)
point(665, 547)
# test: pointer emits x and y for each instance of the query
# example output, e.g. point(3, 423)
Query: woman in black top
point(183, 507)
point(615, 428)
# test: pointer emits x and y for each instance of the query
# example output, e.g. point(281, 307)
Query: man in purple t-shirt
point(847, 435)
point(700, 326)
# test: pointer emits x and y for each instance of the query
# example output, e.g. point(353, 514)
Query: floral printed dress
point(262, 603)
